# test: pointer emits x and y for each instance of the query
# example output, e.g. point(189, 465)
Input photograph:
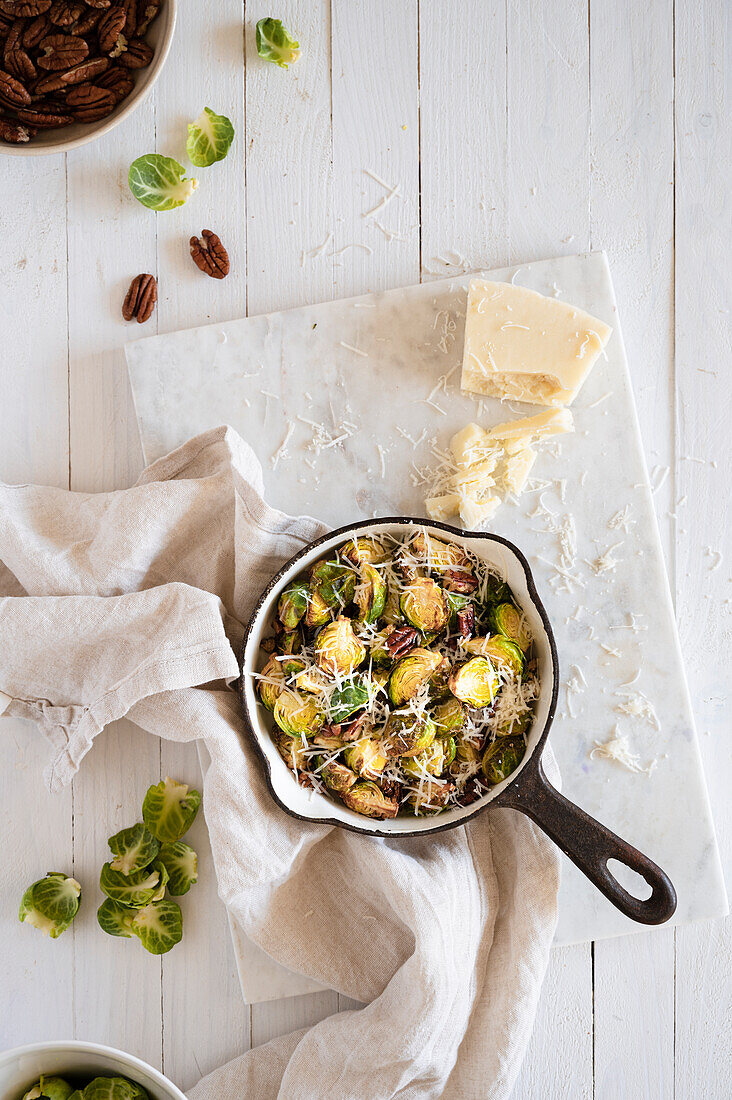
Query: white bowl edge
point(20, 1067)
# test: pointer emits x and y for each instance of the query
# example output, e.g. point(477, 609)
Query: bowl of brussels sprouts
point(399, 677)
point(74, 1070)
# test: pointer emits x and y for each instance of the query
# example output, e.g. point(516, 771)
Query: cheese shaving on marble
point(617, 748)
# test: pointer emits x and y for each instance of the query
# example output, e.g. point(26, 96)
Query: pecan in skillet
point(209, 255)
point(136, 55)
point(17, 61)
point(109, 28)
point(62, 51)
point(401, 640)
point(24, 9)
point(12, 92)
point(140, 300)
point(65, 12)
point(14, 132)
point(458, 581)
point(466, 622)
point(120, 82)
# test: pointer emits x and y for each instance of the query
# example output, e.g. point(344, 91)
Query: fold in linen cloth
point(134, 603)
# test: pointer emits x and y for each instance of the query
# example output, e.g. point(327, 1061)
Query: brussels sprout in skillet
point(413, 684)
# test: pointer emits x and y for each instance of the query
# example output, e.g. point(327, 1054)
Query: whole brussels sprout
point(502, 652)
point(370, 595)
point(337, 649)
point(50, 1088)
point(337, 777)
point(51, 903)
point(439, 556)
point(365, 757)
point(406, 736)
point(410, 673)
point(270, 689)
point(292, 605)
point(133, 849)
point(502, 757)
point(423, 605)
point(450, 716)
point(509, 621)
point(364, 551)
point(297, 714)
point(475, 682)
point(169, 808)
point(366, 797)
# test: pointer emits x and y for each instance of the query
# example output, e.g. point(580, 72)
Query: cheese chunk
point(524, 346)
point(551, 422)
point(474, 513)
point(475, 479)
point(441, 508)
point(471, 445)
point(517, 469)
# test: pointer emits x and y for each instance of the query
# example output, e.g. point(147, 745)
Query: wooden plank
point(702, 333)
point(631, 211)
point(207, 70)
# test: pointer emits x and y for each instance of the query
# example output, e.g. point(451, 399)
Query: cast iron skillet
point(587, 843)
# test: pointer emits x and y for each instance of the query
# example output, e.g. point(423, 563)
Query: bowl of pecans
point(70, 70)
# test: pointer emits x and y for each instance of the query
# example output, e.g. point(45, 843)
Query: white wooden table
point(515, 130)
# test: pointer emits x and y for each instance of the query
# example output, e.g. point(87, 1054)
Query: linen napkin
point(133, 603)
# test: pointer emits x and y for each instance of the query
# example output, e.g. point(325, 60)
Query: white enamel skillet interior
point(527, 789)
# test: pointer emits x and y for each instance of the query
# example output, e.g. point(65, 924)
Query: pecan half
point(119, 81)
point(466, 622)
point(82, 73)
point(140, 299)
point(15, 133)
point(35, 31)
point(130, 10)
point(17, 61)
point(401, 640)
point(12, 92)
point(458, 581)
point(89, 103)
point(209, 255)
point(64, 12)
point(137, 54)
point(62, 51)
point(109, 28)
point(86, 22)
point(146, 13)
point(24, 9)
point(6, 22)
point(44, 116)
point(98, 3)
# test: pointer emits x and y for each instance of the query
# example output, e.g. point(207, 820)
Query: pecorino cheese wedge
point(524, 346)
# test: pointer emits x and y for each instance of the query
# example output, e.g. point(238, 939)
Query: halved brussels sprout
point(290, 641)
point(318, 611)
point(136, 889)
point(433, 797)
point(456, 602)
point(49, 1088)
point(501, 651)
point(292, 750)
point(450, 745)
point(366, 797)
point(115, 919)
point(337, 777)
point(475, 682)
point(297, 714)
point(337, 649)
point(406, 736)
point(430, 760)
point(336, 583)
point(392, 612)
point(268, 690)
point(410, 673)
point(133, 849)
point(365, 757)
point(346, 700)
point(467, 750)
point(113, 1088)
point(509, 621)
point(515, 726)
point(450, 717)
point(159, 926)
point(181, 863)
point(438, 555)
point(169, 808)
point(496, 591)
point(293, 604)
point(380, 677)
point(364, 551)
point(502, 757)
point(370, 595)
point(423, 605)
point(51, 903)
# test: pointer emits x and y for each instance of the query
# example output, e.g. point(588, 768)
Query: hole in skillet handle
point(590, 845)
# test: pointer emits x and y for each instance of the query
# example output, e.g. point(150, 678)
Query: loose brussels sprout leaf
point(50, 1088)
point(51, 903)
point(450, 716)
point(181, 863)
point(136, 889)
point(502, 652)
point(502, 757)
point(509, 621)
point(337, 649)
point(292, 605)
point(346, 700)
point(170, 808)
point(364, 551)
point(209, 138)
point(475, 682)
point(337, 777)
point(160, 182)
point(296, 715)
point(159, 926)
point(365, 757)
point(270, 691)
point(275, 43)
point(370, 595)
point(406, 736)
point(133, 849)
point(410, 673)
point(368, 798)
point(114, 1088)
point(115, 919)
point(423, 605)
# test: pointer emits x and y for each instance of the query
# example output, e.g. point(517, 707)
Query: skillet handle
point(590, 845)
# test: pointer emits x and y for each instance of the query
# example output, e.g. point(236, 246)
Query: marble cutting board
point(353, 389)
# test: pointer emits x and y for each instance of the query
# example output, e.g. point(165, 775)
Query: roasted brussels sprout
point(431, 796)
point(467, 751)
point(336, 583)
point(271, 683)
point(292, 605)
point(348, 699)
point(432, 760)
point(297, 714)
point(337, 777)
point(509, 621)
point(423, 605)
point(51, 904)
point(311, 679)
point(367, 798)
point(365, 757)
point(337, 649)
point(318, 610)
point(475, 682)
point(404, 735)
point(450, 747)
point(290, 641)
point(411, 672)
point(502, 652)
point(292, 750)
point(437, 555)
point(502, 757)
point(370, 595)
point(364, 551)
point(450, 717)
point(392, 610)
